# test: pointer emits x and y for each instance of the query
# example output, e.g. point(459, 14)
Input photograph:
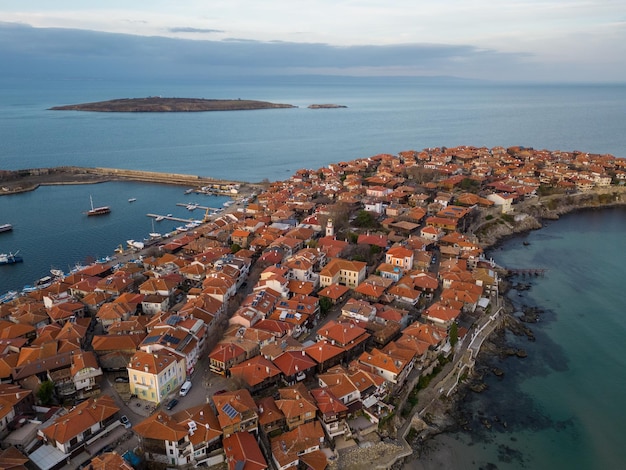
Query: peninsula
point(338, 314)
point(157, 104)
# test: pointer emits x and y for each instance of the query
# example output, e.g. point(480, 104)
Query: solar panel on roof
point(229, 410)
point(171, 339)
point(172, 320)
point(151, 339)
point(290, 315)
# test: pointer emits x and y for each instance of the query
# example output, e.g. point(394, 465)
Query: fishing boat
point(57, 273)
point(44, 282)
point(10, 258)
point(12, 294)
point(135, 244)
point(102, 210)
point(6, 228)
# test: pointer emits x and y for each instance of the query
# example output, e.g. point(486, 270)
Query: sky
point(520, 40)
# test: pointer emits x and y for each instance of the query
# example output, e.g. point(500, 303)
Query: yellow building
point(152, 376)
point(344, 272)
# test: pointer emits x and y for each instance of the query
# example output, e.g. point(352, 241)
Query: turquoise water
point(563, 403)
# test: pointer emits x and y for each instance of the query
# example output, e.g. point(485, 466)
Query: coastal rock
point(326, 106)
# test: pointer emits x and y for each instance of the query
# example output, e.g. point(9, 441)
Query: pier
point(170, 217)
point(192, 206)
point(526, 271)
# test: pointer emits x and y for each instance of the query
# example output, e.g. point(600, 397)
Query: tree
point(365, 219)
point(325, 305)
point(45, 392)
point(234, 248)
point(454, 334)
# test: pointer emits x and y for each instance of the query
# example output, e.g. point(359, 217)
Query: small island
point(157, 104)
point(326, 106)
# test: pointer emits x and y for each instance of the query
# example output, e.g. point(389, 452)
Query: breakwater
point(12, 182)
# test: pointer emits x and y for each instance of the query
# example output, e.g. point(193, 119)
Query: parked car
point(171, 404)
point(121, 380)
point(184, 389)
point(125, 421)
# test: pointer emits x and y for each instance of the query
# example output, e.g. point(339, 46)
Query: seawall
point(13, 182)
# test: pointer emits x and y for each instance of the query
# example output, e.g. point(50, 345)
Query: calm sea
point(564, 398)
point(562, 405)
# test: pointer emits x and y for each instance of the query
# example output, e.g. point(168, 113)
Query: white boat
point(57, 273)
point(10, 258)
point(12, 294)
point(6, 228)
point(135, 244)
point(159, 218)
point(192, 207)
point(154, 235)
point(44, 282)
point(132, 199)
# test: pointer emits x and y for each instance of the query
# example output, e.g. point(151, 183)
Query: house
point(441, 314)
point(205, 433)
point(290, 448)
point(71, 432)
point(399, 256)
point(86, 374)
point(295, 365)
point(153, 376)
point(504, 201)
point(256, 373)
point(297, 405)
point(164, 440)
point(231, 351)
point(341, 271)
point(325, 354)
point(270, 417)
point(236, 412)
point(109, 460)
point(243, 452)
point(346, 335)
point(358, 310)
point(14, 400)
point(393, 370)
point(331, 412)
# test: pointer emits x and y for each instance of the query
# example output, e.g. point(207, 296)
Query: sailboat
point(102, 210)
point(154, 236)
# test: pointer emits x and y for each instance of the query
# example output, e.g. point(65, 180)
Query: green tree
point(454, 334)
point(325, 305)
point(45, 392)
point(365, 219)
point(235, 248)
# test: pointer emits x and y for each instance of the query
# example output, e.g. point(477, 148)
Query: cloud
point(187, 29)
point(28, 51)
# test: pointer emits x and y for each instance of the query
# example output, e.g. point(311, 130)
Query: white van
point(185, 388)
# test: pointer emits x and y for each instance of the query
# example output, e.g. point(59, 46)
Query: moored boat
point(135, 244)
point(7, 297)
point(10, 258)
point(102, 210)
